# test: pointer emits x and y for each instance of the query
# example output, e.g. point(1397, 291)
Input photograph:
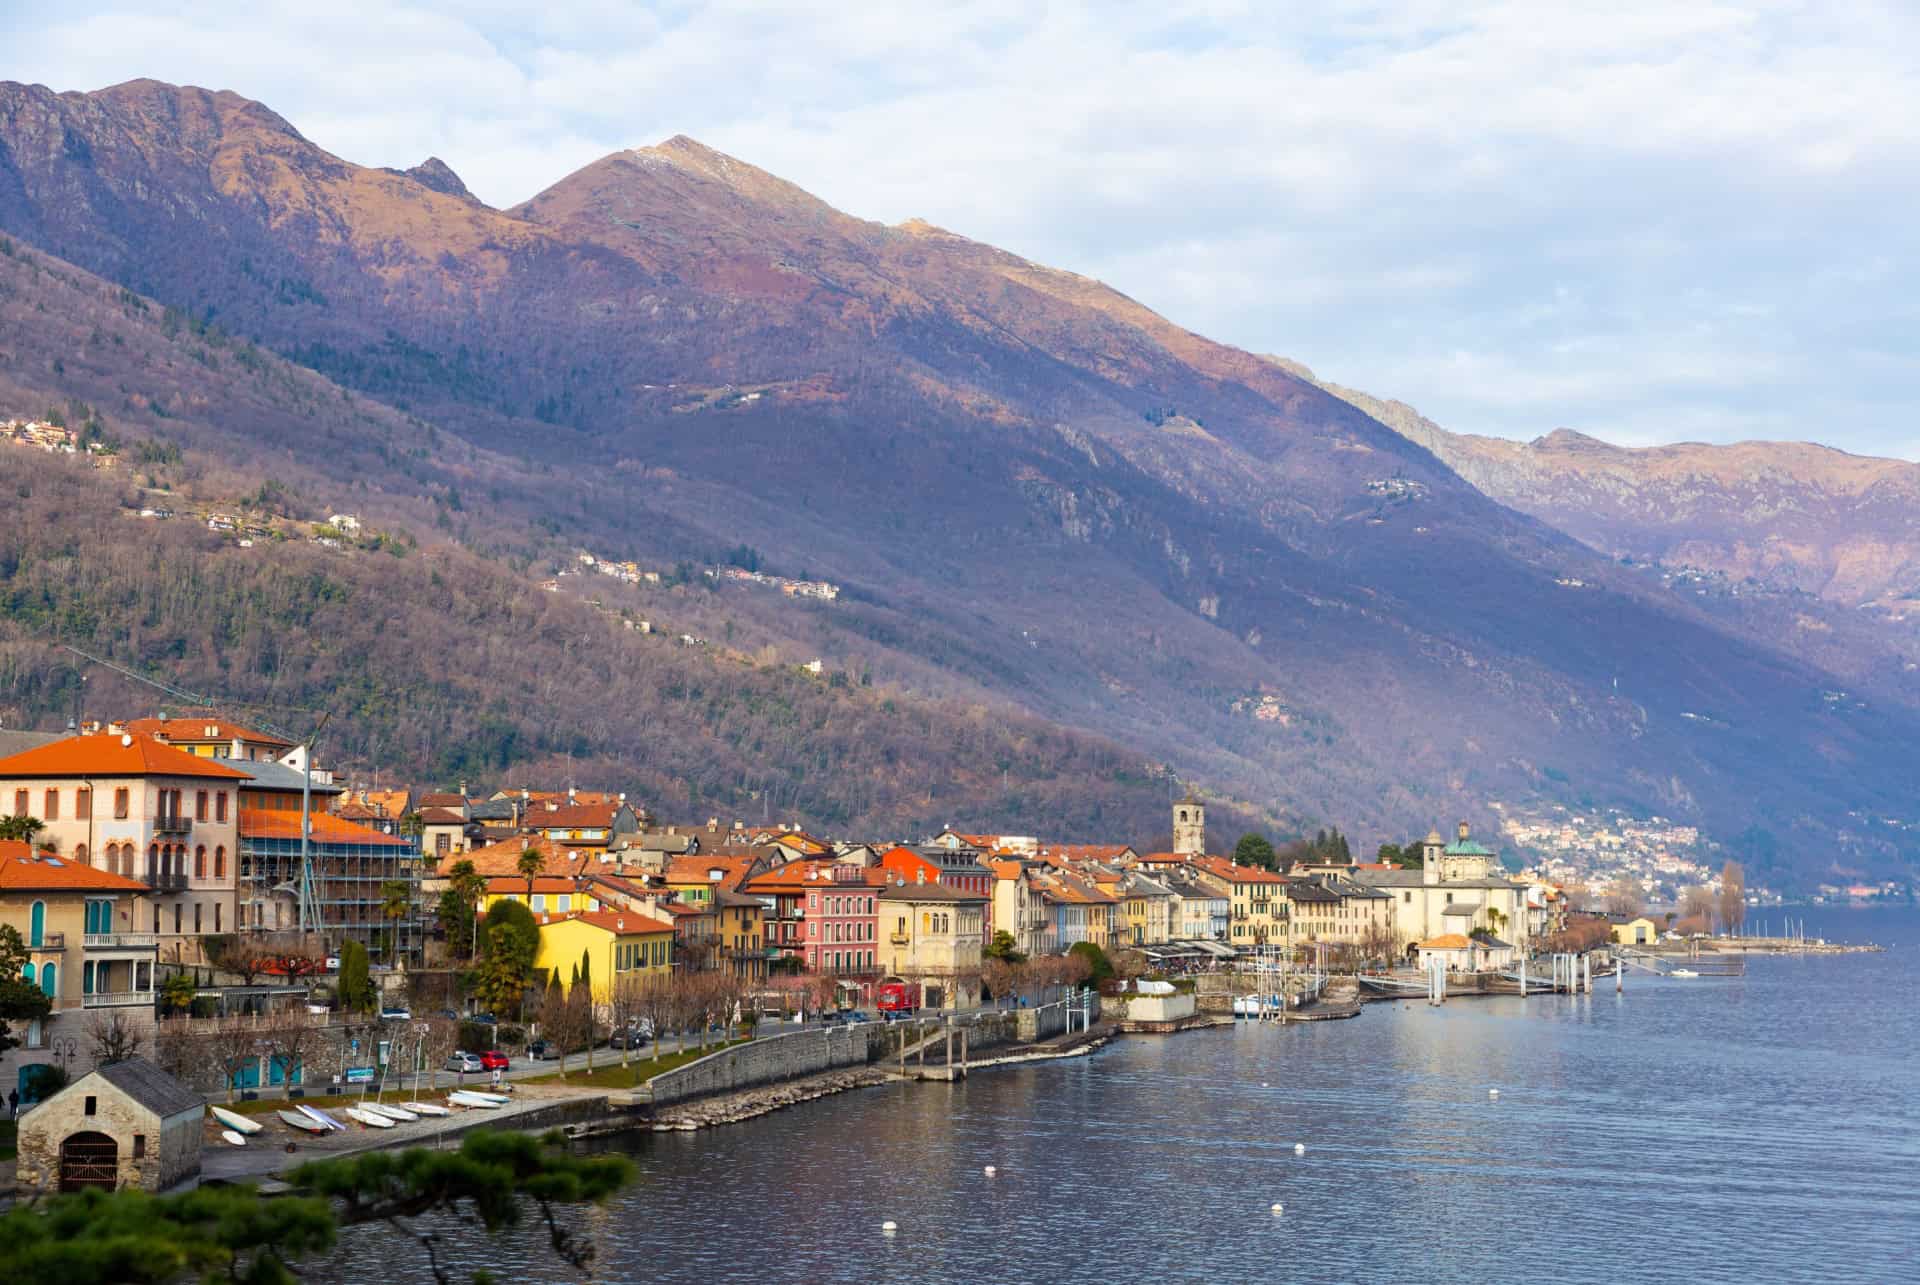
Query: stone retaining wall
point(767, 1060)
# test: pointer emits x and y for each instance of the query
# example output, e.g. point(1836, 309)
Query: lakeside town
point(197, 896)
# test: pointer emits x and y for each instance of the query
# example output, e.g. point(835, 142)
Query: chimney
point(920, 875)
point(713, 823)
point(569, 794)
point(1463, 832)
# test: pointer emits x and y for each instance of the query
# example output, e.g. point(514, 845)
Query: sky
point(1649, 221)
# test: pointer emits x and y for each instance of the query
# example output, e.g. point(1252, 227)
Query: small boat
point(325, 1120)
point(1683, 972)
point(304, 1123)
point(400, 1114)
point(462, 1098)
point(426, 1108)
point(234, 1121)
point(229, 1136)
point(372, 1119)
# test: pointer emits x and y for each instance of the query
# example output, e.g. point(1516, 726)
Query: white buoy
point(889, 1226)
point(990, 1171)
point(1493, 1093)
point(1278, 1207)
point(1299, 1148)
point(1263, 1084)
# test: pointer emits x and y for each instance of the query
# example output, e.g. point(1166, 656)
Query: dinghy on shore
point(466, 1098)
point(304, 1123)
point(325, 1120)
point(372, 1119)
point(399, 1115)
point(425, 1108)
point(232, 1138)
point(234, 1121)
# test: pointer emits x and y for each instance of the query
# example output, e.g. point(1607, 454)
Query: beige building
point(128, 1124)
point(1335, 910)
point(132, 805)
point(1018, 908)
point(1457, 889)
point(933, 935)
point(76, 923)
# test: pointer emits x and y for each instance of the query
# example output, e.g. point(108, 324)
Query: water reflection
point(1754, 1129)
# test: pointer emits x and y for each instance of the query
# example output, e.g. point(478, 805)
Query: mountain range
point(1044, 503)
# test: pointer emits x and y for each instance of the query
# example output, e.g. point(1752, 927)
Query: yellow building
point(1636, 931)
point(618, 944)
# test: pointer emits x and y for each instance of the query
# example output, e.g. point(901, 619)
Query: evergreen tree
point(1254, 850)
point(356, 984)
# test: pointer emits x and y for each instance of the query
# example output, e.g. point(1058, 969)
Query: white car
point(395, 1015)
point(468, 1063)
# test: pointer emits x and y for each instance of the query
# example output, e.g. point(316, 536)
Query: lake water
point(1764, 1128)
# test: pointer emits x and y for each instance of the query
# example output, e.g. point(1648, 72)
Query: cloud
point(1514, 216)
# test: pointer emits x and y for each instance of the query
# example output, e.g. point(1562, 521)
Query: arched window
point(220, 860)
point(153, 860)
point(80, 853)
point(83, 803)
point(50, 980)
point(27, 972)
point(200, 862)
point(37, 924)
point(86, 978)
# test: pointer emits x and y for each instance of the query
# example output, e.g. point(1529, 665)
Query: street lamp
point(64, 1051)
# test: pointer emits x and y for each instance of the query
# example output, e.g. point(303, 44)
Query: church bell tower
point(1189, 827)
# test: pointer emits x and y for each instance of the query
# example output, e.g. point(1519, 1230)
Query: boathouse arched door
point(89, 1160)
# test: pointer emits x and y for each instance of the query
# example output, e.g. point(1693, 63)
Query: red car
point(495, 1060)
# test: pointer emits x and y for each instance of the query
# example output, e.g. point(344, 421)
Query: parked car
point(543, 1051)
point(395, 1015)
point(333, 963)
point(834, 1017)
point(855, 1017)
point(495, 1060)
point(631, 1038)
point(469, 1063)
point(485, 1019)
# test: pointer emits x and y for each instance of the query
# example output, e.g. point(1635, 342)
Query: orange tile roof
point(113, 754)
point(1446, 941)
point(441, 816)
point(194, 731)
point(508, 885)
point(22, 870)
point(695, 869)
point(504, 858)
point(581, 814)
point(792, 877)
point(619, 922)
point(1005, 869)
point(908, 864)
point(1225, 869)
point(262, 823)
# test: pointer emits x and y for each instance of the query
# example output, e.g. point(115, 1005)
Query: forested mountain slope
point(1035, 492)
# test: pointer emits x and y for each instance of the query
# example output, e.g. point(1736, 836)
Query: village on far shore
point(195, 895)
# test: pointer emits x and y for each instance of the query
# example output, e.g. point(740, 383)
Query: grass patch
point(632, 1075)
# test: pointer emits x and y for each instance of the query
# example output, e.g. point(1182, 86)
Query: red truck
point(896, 1000)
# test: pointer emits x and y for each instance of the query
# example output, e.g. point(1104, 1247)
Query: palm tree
point(532, 861)
point(396, 898)
point(467, 887)
point(21, 827)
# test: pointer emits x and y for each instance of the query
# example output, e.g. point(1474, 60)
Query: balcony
point(117, 999)
point(172, 825)
point(49, 943)
point(898, 939)
point(167, 881)
point(121, 941)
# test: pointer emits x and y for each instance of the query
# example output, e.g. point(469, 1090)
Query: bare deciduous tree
point(114, 1037)
point(1733, 897)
